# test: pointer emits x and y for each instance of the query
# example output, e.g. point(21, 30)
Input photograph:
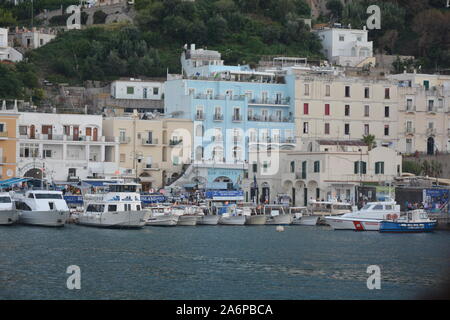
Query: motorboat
point(161, 216)
point(208, 218)
point(8, 212)
point(119, 207)
point(301, 216)
point(252, 216)
point(329, 208)
point(366, 219)
point(231, 216)
point(412, 222)
point(276, 215)
point(41, 208)
point(185, 216)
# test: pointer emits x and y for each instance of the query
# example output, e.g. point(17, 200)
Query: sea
point(220, 263)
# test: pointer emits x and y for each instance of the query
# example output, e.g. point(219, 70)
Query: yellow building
point(153, 151)
point(8, 142)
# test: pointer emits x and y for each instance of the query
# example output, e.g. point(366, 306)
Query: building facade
point(153, 151)
point(7, 52)
point(424, 113)
point(31, 39)
point(344, 108)
point(233, 109)
point(137, 89)
point(65, 147)
point(8, 141)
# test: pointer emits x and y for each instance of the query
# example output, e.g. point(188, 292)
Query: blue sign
point(154, 198)
point(225, 194)
point(74, 199)
point(436, 200)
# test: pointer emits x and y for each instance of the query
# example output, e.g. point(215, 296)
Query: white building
point(137, 89)
point(346, 47)
point(65, 147)
point(6, 52)
point(32, 39)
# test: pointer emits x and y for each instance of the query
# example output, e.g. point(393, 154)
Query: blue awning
point(9, 182)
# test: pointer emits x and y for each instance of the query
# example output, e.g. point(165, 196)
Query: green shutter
point(356, 167)
point(382, 167)
point(377, 168)
point(364, 167)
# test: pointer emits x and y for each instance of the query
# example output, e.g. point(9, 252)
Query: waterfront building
point(321, 169)
point(31, 39)
point(8, 140)
point(332, 106)
point(424, 113)
point(345, 46)
point(7, 52)
point(233, 108)
point(152, 151)
point(65, 147)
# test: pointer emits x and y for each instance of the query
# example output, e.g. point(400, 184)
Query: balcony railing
point(124, 139)
point(431, 131)
point(237, 118)
point(432, 109)
point(149, 142)
point(218, 117)
point(4, 134)
point(217, 138)
point(271, 118)
point(410, 130)
point(410, 109)
point(267, 101)
point(200, 116)
point(174, 142)
point(219, 97)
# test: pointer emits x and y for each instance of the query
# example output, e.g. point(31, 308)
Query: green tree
point(6, 18)
point(336, 7)
point(411, 167)
point(370, 141)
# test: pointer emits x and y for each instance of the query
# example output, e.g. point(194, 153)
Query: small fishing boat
point(208, 218)
point(412, 222)
point(276, 215)
point(252, 216)
point(231, 216)
point(161, 216)
point(185, 217)
point(302, 217)
point(8, 213)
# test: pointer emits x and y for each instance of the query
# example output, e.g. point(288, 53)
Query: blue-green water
point(218, 262)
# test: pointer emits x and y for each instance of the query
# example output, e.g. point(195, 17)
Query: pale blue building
point(234, 108)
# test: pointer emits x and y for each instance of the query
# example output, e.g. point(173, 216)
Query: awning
point(98, 183)
point(9, 182)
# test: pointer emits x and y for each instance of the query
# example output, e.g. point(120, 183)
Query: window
point(386, 112)
point(360, 167)
point(366, 93)
point(47, 153)
point(144, 93)
point(347, 91)
point(95, 208)
point(316, 166)
point(386, 130)
point(23, 130)
point(366, 111)
point(379, 167)
point(327, 109)
point(122, 157)
point(255, 167)
point(347, 110)
point(112, 207)
point(304, 165)
point(386, 93)
point(155, 91)
point(28, 150)
point(347, 129)
point(305, 127)
point(292, 166)
point(306, 89)
point(199, 113)
point(366, 129)
point(327, 128)
point(130, 90)
point(305, 108)
point(327, 90)
point(409, 104)
point(341, 37)
point(430, 105)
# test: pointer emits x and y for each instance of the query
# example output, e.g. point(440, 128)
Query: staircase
point(183, 178)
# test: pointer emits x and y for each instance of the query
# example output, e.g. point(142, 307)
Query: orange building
point(8, 142)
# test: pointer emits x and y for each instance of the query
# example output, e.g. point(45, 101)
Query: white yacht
point(42, 208)
point(302, 217)
point(276, 215)
point(8, 213)
point(231, 216)
point(366, 219)
point(119, 207)
point(161, 216)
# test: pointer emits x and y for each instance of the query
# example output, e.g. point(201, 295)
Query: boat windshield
point(5, 200)
point(47, 196)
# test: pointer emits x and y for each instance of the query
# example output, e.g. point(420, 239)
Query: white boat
point(231, 216)
point(366, 219)
point(185, 217)
point(302, 217)
point(42, 208)
point(252, 216)
point(276, 215)
point(208, 218)
point(329, 208)
point(119, 207)
point(161, 216)
point(8, 212)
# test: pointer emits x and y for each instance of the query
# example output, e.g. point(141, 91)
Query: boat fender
point(280, 228)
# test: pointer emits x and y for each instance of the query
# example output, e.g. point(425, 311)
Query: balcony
point(219, 97)
point(432, 110)
point(410, 131)
point(267, 101)
point(237, 139)
point(272, 118)
point(300, 175)
point(237, 118)
point(3, 135)
point(150, 167)
point(431, 131)
point(410, 109)
point(218, 117)
point(149, 142)
point(217, 139)
point(199, 117)
point(175, 142)
point(123, 140)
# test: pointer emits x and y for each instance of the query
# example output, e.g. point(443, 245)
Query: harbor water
point(219, 262)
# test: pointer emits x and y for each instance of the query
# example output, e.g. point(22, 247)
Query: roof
point(342, 142)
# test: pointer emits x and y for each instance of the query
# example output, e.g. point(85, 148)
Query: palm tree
point(426, 168)
point(370, 141)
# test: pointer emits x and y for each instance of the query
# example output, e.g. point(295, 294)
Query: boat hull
point(120, 219)
point(209, 220)
point(306, 221)
point(187, 221)
point(281, 219)
point(256, 220)
point(353, 224)
point(44, 218)
point(8, 217)
point(407, 227)
point(232, 220)
point(162, 221)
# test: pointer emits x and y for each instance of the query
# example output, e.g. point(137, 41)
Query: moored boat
point(414, 221)
point(8, 212)
point(161, 216)
point(302, 217)
point(252, 216)
point(276, 215)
